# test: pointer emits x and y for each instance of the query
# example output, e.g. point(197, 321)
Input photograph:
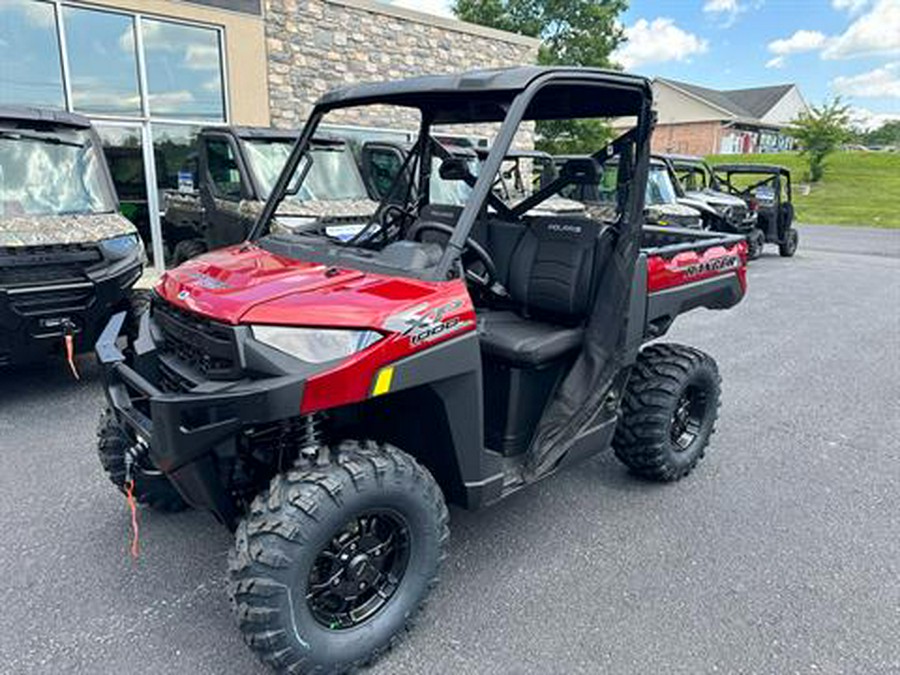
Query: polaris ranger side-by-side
point(767, 191)
point(68, 259)
point(661, 201)
point(722, 211)
point(221, 195)
point(325, 399)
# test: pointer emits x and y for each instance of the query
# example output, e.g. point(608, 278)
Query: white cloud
point(777, 62)
point(881, 82)
point(800, 41)
point(716, 6)
point(657, 41)
point(876, 32)
point(852, 6)
point(727, 8)
point(439, 7)
point(866, 120)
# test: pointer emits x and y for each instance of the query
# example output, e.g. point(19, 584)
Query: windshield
point(333, 175)
point(51, 174)
point(659, 187)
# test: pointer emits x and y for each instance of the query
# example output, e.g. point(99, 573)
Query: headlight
point(315, 345)
point(119, 247)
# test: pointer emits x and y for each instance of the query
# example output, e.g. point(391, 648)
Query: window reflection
point(30, 72)
point(102, 62)
point(51, 173)
point(184, 70)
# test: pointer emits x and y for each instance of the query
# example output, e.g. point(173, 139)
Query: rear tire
point(152, 489)
point(289, 583)
point(668, 412)
point(788, 247)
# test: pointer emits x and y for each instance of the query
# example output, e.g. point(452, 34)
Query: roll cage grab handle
point(491, 167)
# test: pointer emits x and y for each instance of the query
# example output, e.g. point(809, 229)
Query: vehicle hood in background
point(76, 228)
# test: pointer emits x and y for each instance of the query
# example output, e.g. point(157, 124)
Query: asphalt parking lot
point(781, 554)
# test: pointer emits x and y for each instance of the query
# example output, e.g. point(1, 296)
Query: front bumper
point(35, 317)
point(194, 436)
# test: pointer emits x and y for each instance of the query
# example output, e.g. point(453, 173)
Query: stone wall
point(317, 45)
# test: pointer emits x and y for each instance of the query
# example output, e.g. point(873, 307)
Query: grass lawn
point(859, 188)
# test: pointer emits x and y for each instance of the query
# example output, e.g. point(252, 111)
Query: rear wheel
point(789, 246)
point(333, 561)
point(151, 487)
point(668, 412)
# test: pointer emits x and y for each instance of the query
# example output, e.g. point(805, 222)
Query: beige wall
point(672, 106)
point(245, 52)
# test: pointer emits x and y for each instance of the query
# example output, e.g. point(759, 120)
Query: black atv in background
point(767, 191)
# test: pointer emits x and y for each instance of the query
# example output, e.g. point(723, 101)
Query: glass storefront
point(147, 83)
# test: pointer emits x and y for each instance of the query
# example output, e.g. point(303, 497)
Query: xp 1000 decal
point(423, 324)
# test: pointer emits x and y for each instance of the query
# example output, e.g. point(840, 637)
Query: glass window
point(124, 154)
point(333, 175)
point(184, 70)
point(102, 62)
point(383, 166)
point(175, 152)
point(51, 173)
point(30, 71)
point(223, 169)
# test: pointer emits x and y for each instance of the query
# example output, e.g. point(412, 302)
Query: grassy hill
point(859, 188)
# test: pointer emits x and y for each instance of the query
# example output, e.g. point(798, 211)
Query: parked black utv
point(68, 259)
point(767, 191)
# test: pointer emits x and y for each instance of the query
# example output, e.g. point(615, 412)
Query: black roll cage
point(520, 98)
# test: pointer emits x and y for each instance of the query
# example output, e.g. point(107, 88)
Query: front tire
point(788, 247)
point(755, 243)
point(151, 487)
point(668, 412)
point(332, 562)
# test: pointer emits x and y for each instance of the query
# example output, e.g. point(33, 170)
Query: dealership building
point(151, 73)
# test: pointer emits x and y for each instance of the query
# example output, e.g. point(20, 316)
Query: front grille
point(206, 348)
point(738, 214)
point(26, 266)
point(53, 301)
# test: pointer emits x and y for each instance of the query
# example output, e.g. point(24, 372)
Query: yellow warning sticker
point(383, 381)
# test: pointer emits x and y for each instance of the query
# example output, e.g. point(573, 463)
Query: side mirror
point(455, 168)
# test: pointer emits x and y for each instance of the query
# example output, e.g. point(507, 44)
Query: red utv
point(326, 397)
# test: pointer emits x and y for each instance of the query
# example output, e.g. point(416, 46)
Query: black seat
point(549, 283)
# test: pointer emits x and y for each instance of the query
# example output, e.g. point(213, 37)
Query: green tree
point(887, 134)
point(820, 132)
point(572, 32)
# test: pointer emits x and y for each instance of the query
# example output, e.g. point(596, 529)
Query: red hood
point(247, 284)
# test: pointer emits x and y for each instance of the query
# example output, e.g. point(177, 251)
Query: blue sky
point(827, 47)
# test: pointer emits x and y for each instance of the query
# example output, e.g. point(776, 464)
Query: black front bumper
point(194, 436)
point(35, 317)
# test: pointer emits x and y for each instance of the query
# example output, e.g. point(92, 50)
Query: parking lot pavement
point(780, 554)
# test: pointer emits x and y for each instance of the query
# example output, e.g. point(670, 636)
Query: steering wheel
point(472, 249)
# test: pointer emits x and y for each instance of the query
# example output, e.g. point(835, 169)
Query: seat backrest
point(551, 268)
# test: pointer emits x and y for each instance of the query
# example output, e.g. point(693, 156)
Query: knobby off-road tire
point(276, 568)
point(789, 247)
point(668, 412)
point(755, 243)
point(150, 488)
point(138, 304)
point(185, 250)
